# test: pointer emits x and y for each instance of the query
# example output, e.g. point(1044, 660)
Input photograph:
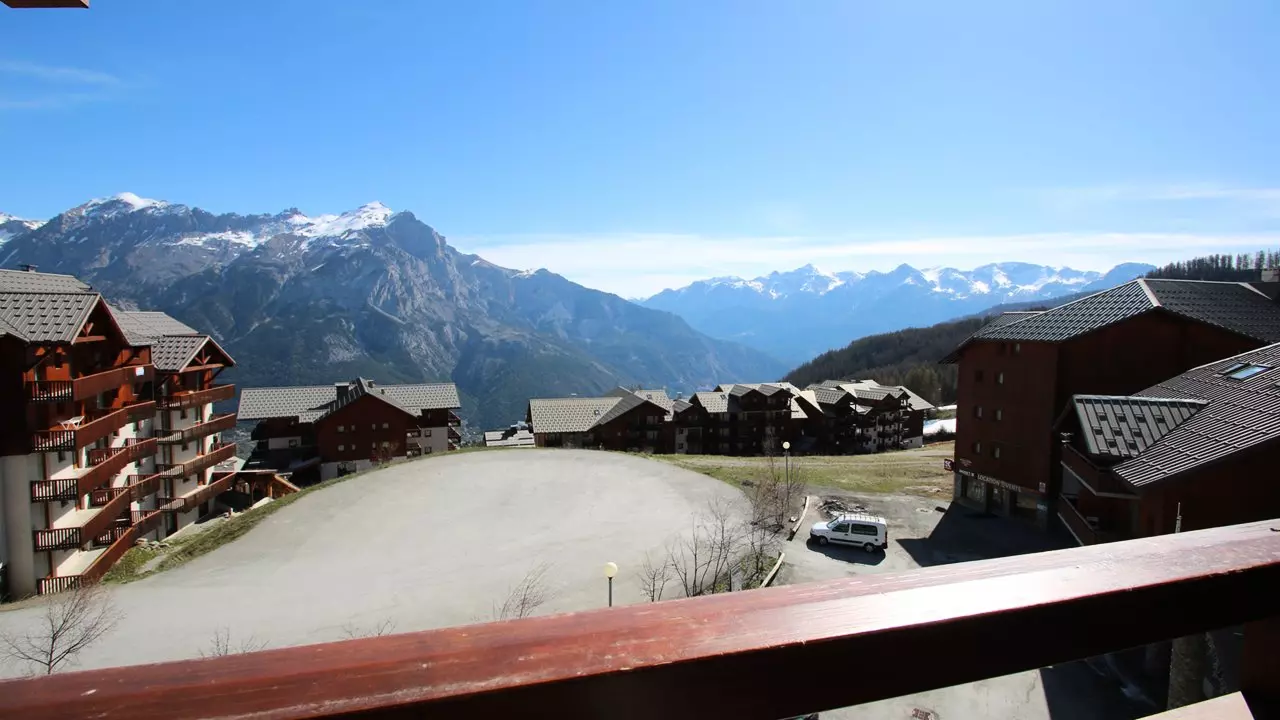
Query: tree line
point(1222, 267)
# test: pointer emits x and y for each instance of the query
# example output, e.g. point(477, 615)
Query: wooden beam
point(697, 658)
point(88, 338)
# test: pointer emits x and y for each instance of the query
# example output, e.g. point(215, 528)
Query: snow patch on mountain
point(374, 214)
point(12, 226)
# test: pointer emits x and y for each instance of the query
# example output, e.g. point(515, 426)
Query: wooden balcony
point(48, 490)
point(772, 653)
point(124, 539)
point(141, 486)
point(195, 398)
point(218, 454)
point(454, 420)
point(117, 504)
point(110, 461)
point(1080, 527)
point(83, 388)
point(91, 430)
point(1098, 480)
point(198, 496)
point(67, 538)
point(215, 424)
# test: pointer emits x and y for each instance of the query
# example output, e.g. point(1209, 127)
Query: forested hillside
point(1228, 268)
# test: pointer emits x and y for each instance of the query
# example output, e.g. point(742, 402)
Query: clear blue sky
point(633, 146)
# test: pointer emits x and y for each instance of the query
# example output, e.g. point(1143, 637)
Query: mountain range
point(797, 315)
point(313, 300)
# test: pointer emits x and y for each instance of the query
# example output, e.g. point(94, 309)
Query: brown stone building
point(1018, 374)
point(1196, 451)
point(314, 433)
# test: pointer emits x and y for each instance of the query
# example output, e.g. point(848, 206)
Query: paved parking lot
point(425, 544)
point(924, 532)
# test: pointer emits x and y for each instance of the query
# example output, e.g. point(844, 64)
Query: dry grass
point(912, 472)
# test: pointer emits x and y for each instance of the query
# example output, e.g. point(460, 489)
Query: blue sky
point(635, 146)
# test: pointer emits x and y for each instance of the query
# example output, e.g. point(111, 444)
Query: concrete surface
point(923, 532)
point(426, 544)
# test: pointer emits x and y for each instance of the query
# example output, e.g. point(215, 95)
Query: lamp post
point(786, 464)
point(610, 569)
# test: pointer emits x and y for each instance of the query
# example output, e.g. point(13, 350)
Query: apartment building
point(863, 416)
point(1195, 451)
point(1019, 373)
point(314, 433)
point(109, 434)
point(626, 421)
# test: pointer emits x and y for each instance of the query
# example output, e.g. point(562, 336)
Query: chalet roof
point(657, 397)
point(1237, 307)
point(1124, 427)
point(826, 395)
point(46, 316)
point(716, 402)
point(569, 415)
point(680, 405)
point(311, 403)
point(22, 281)
point(1240, 413)
point(174, 344)
point(174, 352)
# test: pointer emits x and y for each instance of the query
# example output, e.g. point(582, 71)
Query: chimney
point(342, 389)
point(27, 267)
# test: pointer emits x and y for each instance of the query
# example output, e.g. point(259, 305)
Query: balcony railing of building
point(90, 430)
point(140, 486)
point(218, 453)
point(218, 423)
point(927, 629)
point(454, 420)
point(117, 504)
point(197, 496)
point(124, 539)
point(88, 386)
point(1099, 480)
point(194, 398)
point(106, 462)
point(1085, 531)
point(67, 538)
point(144, 521)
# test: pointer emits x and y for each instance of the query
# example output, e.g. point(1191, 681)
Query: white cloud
point(641, 264)
point(57, 86)
point(52, 73)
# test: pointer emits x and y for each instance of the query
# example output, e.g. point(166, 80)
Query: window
point(977, 411)
point(385, 425)
point(385, 444)
point(186, 445)
point(1017, 348)
point(842, 528)
point(995, 452)
point(373, 426)
point(999, 414)
point(341, 428)
point(1245, 371)
point(977, 376)
point(679, 446)
point(999, 378)
point(977, 448)
point(651, 434)
point(1004, 347)
point(860, 529)
point(293, 442)
point(341, 448)
point(182, 414)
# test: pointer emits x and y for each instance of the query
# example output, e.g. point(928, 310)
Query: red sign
point(948, 464)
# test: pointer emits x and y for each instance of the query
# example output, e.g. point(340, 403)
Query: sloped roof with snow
point(569, 415)
point(311, 403)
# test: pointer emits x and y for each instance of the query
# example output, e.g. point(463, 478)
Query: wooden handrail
point(191, 398)
point(917, 631)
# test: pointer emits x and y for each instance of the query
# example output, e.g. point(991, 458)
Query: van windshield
point(831, 525)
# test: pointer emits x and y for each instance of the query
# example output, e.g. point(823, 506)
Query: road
point(425, 544)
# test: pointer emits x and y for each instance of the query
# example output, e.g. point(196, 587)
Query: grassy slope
point(913, 472)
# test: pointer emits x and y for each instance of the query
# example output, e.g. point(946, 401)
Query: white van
point(869, 532)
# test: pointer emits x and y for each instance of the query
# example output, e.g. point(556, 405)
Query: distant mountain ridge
point(799, 314)
point(301, 299)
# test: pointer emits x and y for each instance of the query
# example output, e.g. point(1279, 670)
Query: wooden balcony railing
point(58, 583)
point(100, 497)
point(454, 420)
point(47, 490)
point(1079, 526)
point(199, 495)
point(88, 386)
point(116, 505)
point(772, 653)
point(124, 539)
point(144, 521)
point(215, 424)
point(140, 486)
point(111, 461)
point(1098, 479)
point(193, 398)
point(90, 431)
point(219, 453)
point(58, 538)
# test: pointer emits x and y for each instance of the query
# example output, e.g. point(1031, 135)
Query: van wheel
point(822, 540)
point(869, 547)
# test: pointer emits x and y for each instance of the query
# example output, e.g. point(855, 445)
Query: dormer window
point(1244, 371)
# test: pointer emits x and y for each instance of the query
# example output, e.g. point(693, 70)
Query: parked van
point(869, 532)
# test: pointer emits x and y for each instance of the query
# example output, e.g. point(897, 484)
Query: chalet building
point(863, 416)
point(319, 432)
point(617, 422)
point(1197, 451)
point(108, 434)
point(1018, 374)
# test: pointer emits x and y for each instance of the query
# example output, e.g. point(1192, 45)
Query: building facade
point(111, 435)
point(314, 433)
point(624, 422)
point(1018, 374)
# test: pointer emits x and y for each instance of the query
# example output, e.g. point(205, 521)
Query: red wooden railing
point(46, 490)
point(1097, 478)
point(192, 398)
point(110, 512)
point(87, 386)
point(91, 431)
point(219, 453)
point(773, 653)
point(58, 538)
point(197, 496)
point(113, 461)
point(215, 424)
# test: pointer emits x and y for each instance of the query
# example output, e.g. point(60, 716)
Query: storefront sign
point(996, 483)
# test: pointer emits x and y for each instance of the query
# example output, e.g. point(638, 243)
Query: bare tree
point(386, 627)
point(654, 577)
point(72, 620)
point(702, 562)
point(527, 596)
point(221, 645)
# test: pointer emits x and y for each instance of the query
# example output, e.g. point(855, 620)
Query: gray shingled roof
point(1124, 427)
point(141, 327)
point(173, 353)
point(657, 397)
point(680, 405)
point(22, 281)
point(1233, 306)
point(310, 403)
point(569, 415)
point(716, 402)
point(828, 395)
point(46, 316)
point(1239, 415)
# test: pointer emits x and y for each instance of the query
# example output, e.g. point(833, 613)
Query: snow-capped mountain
point(307, 299)
point(798, 314)
point(11, 227)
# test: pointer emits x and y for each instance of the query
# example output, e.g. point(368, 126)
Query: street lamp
point(786, 464)
point(610, 569)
